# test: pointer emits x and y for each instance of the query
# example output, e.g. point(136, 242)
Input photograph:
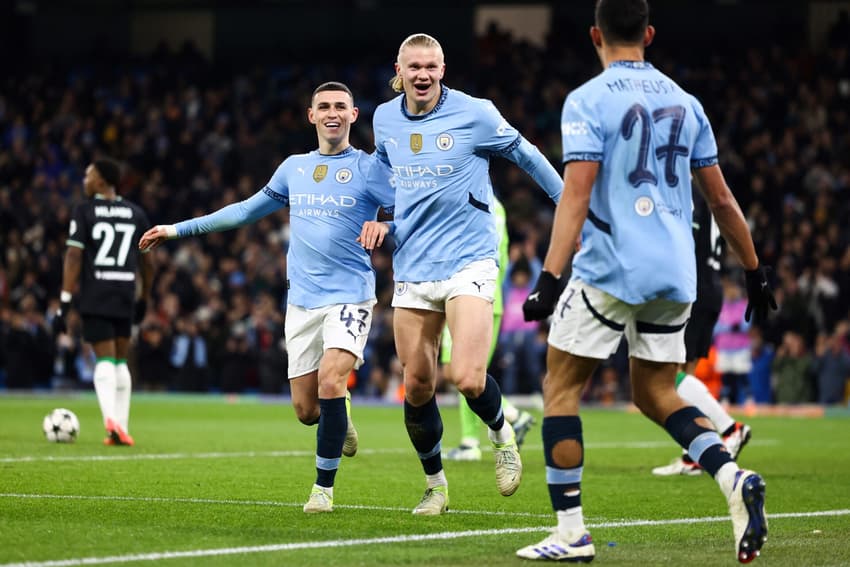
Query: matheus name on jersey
point(647, 134)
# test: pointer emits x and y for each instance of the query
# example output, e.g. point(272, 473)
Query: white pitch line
point(304, 453)
point(158, 556)
point(173, 456)
point(268, 548)
point(230, 502)
point(624, 522)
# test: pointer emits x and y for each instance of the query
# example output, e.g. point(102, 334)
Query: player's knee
point(470, 386)
point(308, 414)
point(333, 384)
point(418, 389)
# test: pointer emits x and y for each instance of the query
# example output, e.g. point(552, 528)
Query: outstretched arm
point(232, 216)
point(532, 161)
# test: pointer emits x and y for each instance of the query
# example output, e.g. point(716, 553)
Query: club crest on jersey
point(320, 173)
point(416, 143)
point(400, 288)
point(644, 206)
point(343, 175)
point(445, 141)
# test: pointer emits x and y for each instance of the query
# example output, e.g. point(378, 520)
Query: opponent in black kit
point(102, 257)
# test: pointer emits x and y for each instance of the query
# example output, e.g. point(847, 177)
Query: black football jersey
point(108, 233)
point(709, 251)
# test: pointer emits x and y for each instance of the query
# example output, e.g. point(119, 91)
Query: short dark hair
point(109, 170)
point(622, 21)
point(332, 86)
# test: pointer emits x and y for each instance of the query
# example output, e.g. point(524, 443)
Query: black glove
point(541, 301)
point(140, 310)
point(759, 294)
point(59, 325)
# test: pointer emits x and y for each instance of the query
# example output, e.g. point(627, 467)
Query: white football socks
point(571, 522)
point(123, 391)
point(438, 479)
point(504, 435)
point(693, 391)
point(104, 385)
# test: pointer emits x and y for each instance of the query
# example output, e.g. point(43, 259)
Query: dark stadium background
point(202, 99)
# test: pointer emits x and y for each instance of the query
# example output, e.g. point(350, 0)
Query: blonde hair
point(414, 40)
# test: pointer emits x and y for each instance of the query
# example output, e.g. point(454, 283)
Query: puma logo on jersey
point(478, 285)
point(393, 141)
point(534, 296)
point(301, 171)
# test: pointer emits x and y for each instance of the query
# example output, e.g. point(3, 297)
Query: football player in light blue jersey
point(631, 137)
point(330, 193)
point(437, 142)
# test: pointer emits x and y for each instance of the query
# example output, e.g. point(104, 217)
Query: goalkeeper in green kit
point(521, 421)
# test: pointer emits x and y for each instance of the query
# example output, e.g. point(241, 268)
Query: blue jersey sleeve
point(491, 133)
point(270, 198)
point(379, 179)
point(528, 157)
point(278, 187)
point(581, 132)
point(232, 216)
point(705, 147)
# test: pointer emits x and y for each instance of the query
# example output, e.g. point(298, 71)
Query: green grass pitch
point(220, 481)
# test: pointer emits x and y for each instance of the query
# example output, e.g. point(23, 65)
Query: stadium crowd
point(195, 136)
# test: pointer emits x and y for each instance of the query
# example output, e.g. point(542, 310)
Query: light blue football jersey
point(440, 166)
point(329, 198)
point(647, 133)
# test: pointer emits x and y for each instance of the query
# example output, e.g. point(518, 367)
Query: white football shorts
point(309, 332)
point(589, 322)
point(477, 278)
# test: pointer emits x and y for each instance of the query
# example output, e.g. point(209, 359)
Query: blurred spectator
point(792, 368)
point(238, 365)
point(832, 365)
point(762, 370)
point(732, 340)
point(28, 347)
point(267, 331)
point(189, 356)
point(522, 355)
point(152, 357)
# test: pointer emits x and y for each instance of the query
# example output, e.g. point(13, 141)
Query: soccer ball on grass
point(61, 426)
